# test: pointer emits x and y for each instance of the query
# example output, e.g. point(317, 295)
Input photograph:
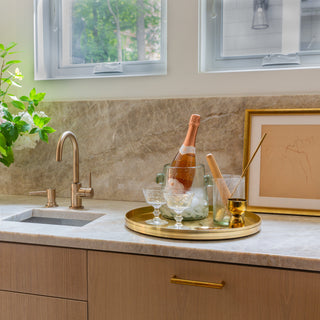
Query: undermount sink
point(56, 217)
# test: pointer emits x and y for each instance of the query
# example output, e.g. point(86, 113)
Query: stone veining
point(125, 143)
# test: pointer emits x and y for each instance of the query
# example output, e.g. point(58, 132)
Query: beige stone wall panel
point(125, 143)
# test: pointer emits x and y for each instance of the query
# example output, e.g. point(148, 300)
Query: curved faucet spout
point(73, 139)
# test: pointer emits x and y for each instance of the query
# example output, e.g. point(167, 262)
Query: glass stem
point(178, 219)
point(156, 213)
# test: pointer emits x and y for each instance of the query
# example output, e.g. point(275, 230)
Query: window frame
point(47, 54)
point(211, 61)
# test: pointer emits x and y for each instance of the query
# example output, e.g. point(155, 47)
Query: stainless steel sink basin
point(56, 217)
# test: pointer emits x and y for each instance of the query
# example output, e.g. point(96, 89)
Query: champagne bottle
point(186, 156)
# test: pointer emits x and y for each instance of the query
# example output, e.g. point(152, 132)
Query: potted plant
point(21, 124)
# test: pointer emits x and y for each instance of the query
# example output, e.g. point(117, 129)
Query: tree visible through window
point(115, 31)
point(100, 38)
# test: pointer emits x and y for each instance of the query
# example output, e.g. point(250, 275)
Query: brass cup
point(237, 208)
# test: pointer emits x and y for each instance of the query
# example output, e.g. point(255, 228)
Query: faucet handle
point(86, 192)
point(51, 196)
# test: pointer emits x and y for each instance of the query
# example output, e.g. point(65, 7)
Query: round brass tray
point(203, 229)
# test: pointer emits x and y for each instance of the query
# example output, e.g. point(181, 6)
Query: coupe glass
point(178, 201)
point(178, 194)
point(155, 197)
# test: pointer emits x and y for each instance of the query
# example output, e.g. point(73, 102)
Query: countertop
point(285, 241)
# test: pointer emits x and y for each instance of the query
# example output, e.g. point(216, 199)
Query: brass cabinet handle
point(176, 280)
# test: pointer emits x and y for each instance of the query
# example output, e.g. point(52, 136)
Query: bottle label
point(187, 149)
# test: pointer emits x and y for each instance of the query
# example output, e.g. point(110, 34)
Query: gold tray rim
point(194, 234)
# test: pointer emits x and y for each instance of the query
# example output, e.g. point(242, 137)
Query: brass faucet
point(77, 193)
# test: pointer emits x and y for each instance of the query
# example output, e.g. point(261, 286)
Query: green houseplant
point(24, 129)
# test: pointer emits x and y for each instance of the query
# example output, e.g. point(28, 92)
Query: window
point(99, 38)
point(259, 34)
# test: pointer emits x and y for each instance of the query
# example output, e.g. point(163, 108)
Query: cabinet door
point(18, 306)
point(50, 271)
point(133, 287)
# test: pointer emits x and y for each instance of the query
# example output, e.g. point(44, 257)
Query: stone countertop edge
point(285, 241)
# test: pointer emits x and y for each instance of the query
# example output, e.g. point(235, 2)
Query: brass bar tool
point(248, 164)
point(237, 208)
point(216, 173)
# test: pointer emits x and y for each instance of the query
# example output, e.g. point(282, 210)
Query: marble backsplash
point(125, 143)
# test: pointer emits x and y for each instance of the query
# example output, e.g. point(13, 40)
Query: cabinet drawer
point(50, 271)
point(129, 287)
point(18, 306)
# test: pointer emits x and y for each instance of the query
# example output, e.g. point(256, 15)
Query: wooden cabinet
point(42, 283)
point(50, 283)
point(19, 306)
point(133, 287)
point(43, 270)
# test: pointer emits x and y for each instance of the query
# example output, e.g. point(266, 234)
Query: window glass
point(89, 38)
point(259, 34)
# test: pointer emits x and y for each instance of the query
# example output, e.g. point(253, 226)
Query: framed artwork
point(284, 176)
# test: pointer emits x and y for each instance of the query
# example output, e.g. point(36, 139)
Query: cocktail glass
point(178, 202)
point(155, 197)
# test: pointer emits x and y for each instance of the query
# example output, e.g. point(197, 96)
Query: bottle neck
point(190, 140)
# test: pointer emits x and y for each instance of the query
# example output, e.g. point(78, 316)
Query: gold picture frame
point(284, 176)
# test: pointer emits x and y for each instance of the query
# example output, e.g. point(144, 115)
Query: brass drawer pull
point(176, 280)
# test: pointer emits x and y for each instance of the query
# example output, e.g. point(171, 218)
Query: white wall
point(182, 80)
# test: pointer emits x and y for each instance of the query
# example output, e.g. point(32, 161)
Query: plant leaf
point(11, 45)
point(3, 151)
point(7, 80)
point(10, 132)
point(12, 62)
point(43, 136)
point(19, 105)
point(3, 145)
point(33, 130)
point(40, 121)
point(30, 108)
point(5, 69)
point(23, 126)
point(24, 98)
point(16, 119)
point(33, 94)
point(7, 115)
point(2, 140)
point(40, 96)
point(49, 130)
point(45, 120)
point(36, 120)
point(9, 158)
